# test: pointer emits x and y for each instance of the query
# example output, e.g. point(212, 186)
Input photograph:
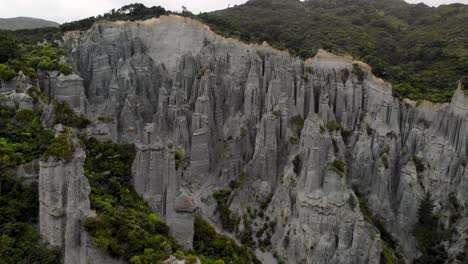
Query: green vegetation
point(36, 93)
point(237, 183)
point(66, 69)
point(428, 233)
point(6, 73)
point(179, 157)
point(357, 70)
point(338, 167)
point(420, 49)
point(106, 118)
point(22, 139)
point(19, 53)
point(130, 12)
point(293, 140)
point(61, 147)
point(66, 116)
point(223, 199)
point(214, 248)
point(19, 240)
point(389, 244)
point(243, 132)
point(124, 226)
point(298, 124)
point(333, 126)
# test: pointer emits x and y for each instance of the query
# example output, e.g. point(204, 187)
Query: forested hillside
point(17, 23)
point(423, 51)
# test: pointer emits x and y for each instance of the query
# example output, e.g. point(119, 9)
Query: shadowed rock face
point(171, 84)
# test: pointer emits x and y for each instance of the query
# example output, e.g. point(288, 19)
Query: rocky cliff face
point(170, 84)
point(63, 207)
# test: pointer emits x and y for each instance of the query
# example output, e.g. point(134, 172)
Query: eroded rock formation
point(170, 84)
point(63, 207)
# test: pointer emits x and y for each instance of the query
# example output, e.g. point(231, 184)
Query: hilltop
point(17, 23)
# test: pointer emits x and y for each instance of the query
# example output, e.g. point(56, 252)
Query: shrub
point(36, 93)
point(24, 137)
point(47, 64)
point(106, 118)
point(339, 167)
point(357, 70)
point(237, 183)
point(191, 259)
point(298, 123)
point(385, 161)
point(66, 116)
point(332, 126)
point(61, 147)
point(293, 140)
point(6, 73)
point(179, 157)
point(217, 248)
point(223, 199)
point(243, 132)
point(66, 69)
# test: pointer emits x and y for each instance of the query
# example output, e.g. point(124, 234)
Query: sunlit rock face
point(171, 85)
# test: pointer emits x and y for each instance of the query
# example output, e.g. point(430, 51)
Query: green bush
point(22, 136)
point(66, 116)
point(339, 167)
point(237, 183)
point(298, 123)
point(179, 157)
point(61, 147)
point(333, 126)
point(66, 69)
point(216, 248)
point(223, 199)
point(191, 259)
point(357, 70)
point(6, 73)
point(36, 93)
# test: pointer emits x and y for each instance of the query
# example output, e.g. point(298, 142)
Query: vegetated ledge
point(321, 55)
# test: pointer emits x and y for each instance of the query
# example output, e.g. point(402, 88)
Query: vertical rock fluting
point(170, 84)
point(63, 207)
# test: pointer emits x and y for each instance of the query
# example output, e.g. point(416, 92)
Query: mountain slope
point(422, 50)
point(17, 23)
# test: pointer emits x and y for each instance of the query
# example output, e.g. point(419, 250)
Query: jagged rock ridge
point(171, 84)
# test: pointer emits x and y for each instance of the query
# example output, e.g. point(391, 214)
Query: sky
point(69, 10)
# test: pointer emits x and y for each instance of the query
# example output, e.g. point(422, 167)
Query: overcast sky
point(70, 10)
